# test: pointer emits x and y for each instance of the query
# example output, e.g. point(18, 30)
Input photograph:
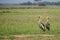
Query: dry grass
point(30, 37)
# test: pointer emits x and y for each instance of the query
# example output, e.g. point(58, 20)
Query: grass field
point(25, 21)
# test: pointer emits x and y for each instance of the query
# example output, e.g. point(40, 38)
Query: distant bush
point(42, 4)
point(5, 11)
point(24, 7)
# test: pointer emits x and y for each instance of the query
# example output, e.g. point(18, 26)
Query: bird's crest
point(47, 17)
point(40, 16)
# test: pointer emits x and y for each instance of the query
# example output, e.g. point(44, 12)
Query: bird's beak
point(40, 16)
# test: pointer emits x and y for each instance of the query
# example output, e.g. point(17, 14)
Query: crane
point(41, 25)
point(47, 24)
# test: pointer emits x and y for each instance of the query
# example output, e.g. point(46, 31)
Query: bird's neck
point(39, 20)
point(47, 21)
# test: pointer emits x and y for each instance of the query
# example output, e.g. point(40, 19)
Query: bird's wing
point(42, 25)
point(47, 24)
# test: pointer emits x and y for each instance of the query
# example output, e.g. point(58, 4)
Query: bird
point(41, 25)
point(47, 24)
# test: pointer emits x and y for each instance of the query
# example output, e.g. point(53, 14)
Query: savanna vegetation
point(24, 20)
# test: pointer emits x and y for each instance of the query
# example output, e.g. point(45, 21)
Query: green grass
point(24, 21)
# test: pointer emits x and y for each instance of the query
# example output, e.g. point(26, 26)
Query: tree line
point(40, 3)
point(44, 3)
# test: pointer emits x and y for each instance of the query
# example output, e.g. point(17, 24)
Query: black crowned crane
point(47, 24)
point(41, 25)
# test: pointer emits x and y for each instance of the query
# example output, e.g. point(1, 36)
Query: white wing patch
point(42, 26)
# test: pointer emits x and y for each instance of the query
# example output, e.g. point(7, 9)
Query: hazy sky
point(19, 1)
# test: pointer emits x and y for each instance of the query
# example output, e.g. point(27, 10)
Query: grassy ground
point(24, 21)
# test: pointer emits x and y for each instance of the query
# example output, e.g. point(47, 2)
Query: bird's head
point(47, 17)
point(39, 17)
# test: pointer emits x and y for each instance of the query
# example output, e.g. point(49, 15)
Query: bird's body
point(42, 26)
